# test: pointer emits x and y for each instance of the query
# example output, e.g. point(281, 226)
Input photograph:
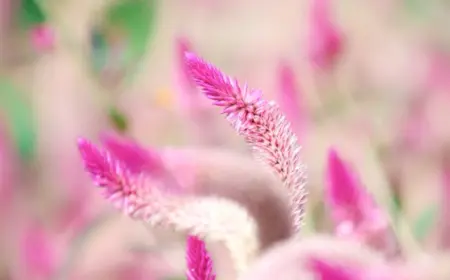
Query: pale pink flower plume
point(261, 123)
point(42, 37)
point(199, 262)
point(325, 39)
point(354, 211)
point(290, 97)
point(38, 255)
point(146, 198)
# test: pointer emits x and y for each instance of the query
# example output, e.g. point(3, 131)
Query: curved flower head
point(199, 262)
point(260, 123)
point(353, 210)
point(155, 201)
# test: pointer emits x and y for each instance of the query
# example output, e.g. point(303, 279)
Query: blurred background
point(370, 78)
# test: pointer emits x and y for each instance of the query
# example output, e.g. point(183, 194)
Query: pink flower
point(353, 210)
point(199, 263)
point(42, 37)
point(262, 125)
point(289, 97)
point(325, 40)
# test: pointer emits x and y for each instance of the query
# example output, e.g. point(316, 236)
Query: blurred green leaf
point(30, 13)
point(425, 222)
point(19, 114)
point(418, 8)
point(136, 18)
point(121, 40)
point(118, 119)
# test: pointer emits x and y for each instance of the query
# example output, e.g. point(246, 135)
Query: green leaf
point(118, 119)
point(425, 222)
point(30, 13)
point(124, 35)
point(19, 114)
point(136, 18)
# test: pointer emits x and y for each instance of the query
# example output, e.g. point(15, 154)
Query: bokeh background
point(79, 68)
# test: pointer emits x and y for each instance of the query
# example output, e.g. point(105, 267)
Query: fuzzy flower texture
point(136, 181)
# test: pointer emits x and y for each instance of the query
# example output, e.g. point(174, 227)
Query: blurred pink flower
point(38, 254)
point(439, 70)
point(353, 210)
point(325, 39)
point(290, 97)
point(42, 37)
point(262, 125)
point(199, 263)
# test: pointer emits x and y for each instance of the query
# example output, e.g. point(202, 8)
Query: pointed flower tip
point(199, 262)
point(328, 271)
point(333, 157)
point(183, 44)
point(190, 56)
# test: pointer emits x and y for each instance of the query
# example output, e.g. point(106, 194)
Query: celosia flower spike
point(199, 262)
point(143, 197)
point(325, 42)
point(353, 210)
point(262, 125)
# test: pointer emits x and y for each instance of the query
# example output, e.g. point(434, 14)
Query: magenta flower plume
point(199, 263)
point(127, 190)
point(262, 125)
point(325, 42)
point(353, 210)
point(289, 97)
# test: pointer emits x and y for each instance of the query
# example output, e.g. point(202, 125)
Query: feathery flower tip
point(328, 271)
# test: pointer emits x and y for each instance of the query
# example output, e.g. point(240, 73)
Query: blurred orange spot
point(164, 98)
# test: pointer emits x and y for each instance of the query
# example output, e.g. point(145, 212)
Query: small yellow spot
point(164, 98)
